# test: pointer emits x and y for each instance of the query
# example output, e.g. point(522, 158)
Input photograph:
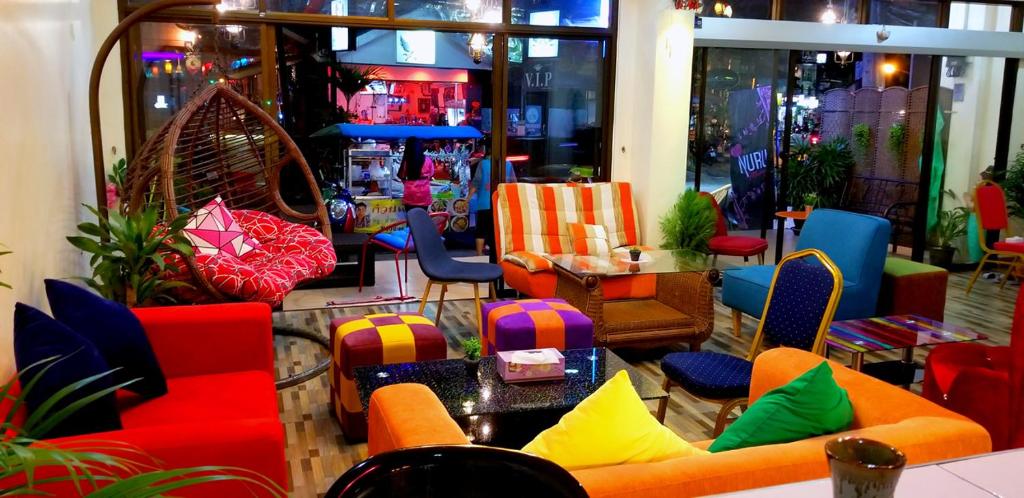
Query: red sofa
point(221, 406)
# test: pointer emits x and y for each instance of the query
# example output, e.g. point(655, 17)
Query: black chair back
point(456, 472)
point(430, 251)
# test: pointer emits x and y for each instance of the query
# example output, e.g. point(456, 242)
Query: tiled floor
point(318, 453)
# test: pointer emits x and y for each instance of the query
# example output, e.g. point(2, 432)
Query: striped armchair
point(531, 220)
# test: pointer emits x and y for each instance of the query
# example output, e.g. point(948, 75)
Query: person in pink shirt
point(416, 171)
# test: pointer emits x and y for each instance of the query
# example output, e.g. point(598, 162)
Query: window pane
point(924, 13)
point(813, 10)
point(368, 8)
point(740, 9)
point(177, 62)
point(450, 10)
point(979, 16)
point(588, 13)
point(555, 112)
point(1017, 128)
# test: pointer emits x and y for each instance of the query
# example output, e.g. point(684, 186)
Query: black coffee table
point(495, 413)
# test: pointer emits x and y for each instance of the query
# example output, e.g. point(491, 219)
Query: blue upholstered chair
point(802, 298)
point(440, 268)
point(857, 243)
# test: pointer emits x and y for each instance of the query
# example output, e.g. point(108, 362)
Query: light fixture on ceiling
point(723, 8)
point(829, 16)
point(233, 29)
point(477, 44)
point(889, 68)
point(843, 57)
point(472, 5)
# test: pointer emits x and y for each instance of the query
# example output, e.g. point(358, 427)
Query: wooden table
point(888, 333)
point(982, 476)
point(780, 228)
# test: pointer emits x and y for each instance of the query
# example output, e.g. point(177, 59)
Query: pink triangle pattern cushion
point(213, 230)
point(288, 254)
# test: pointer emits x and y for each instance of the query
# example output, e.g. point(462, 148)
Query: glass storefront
point(579, 13)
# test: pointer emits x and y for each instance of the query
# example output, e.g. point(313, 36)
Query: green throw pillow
point(811, 405)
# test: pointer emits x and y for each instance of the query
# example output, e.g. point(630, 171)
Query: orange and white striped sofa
point(530, 220)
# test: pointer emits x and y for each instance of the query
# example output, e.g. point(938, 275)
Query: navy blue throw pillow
point(38, 337)
point(115, 331)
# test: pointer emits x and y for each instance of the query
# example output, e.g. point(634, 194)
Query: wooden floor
point(317, 453)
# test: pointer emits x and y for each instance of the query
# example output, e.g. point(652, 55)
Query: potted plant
point(810, 200)
point(471, 347)
point(897, 138)
point(822, 170)
point(634, 253)
point(950, 225)
point(861, 139)
point(689, 224)
point(129, 254)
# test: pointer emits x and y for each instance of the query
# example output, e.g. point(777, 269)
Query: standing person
point(416, 171)
point(480, 194)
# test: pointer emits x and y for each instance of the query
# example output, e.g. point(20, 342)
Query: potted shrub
point(897, 138)
point(471, 347)
point(950, 226)
point(689, 224)
point(810, 200)
point(634, 253)
point(861, 139)
point(129, 263)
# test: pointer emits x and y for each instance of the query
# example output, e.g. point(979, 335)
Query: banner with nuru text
point(750, 117)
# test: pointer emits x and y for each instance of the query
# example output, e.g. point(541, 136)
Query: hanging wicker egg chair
point(221, 144)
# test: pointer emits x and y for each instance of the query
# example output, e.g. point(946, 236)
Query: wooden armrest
point(585, 294)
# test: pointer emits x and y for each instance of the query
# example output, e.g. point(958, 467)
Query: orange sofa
point(530, 221)
point(407, 415)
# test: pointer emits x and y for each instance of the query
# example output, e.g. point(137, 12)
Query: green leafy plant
point(117, 175)
point(94, 468)
point(350, 80)
point(811, 200)
point(4, 252)
point(471, 347)
point(951, 225)
point(821, 170)
point(129, 264)
point(897, 138)
point(861, 138)
point(689, 224)
point(1013, 185)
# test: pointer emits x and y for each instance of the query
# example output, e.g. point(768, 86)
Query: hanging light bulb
point(829, 16)
point(168, 67)
point(843, 56)
point(723, 8)
point(472, 5)
point(233, 29)
point(477, 44)
point(728, 10)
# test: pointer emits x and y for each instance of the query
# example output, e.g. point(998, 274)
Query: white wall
point(652, 106)
point(46, 172)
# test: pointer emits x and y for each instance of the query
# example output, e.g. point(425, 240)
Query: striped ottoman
point(375, 340)
point(535, 323)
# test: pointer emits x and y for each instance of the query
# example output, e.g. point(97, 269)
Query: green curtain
point(938, 167)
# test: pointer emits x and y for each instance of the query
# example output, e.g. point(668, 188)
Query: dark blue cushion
point(114, 330)
point(709, 375)
point(38, 337)
point(798, 303)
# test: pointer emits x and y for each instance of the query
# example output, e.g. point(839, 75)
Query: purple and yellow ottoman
point(533, 324)
point(375, 340)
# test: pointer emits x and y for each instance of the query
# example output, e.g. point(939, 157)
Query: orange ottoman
point(375, 340)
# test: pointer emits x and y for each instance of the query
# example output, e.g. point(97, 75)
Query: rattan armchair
point(681, 311)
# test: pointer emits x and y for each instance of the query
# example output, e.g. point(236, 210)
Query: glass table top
point(487, 394)
point(895, 332)
point(651, 262)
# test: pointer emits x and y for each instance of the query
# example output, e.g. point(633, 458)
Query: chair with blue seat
point(857, 243)
point(803, 295)
point(397, 239)
point(440, 268)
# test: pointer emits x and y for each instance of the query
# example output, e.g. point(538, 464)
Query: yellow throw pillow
point(610, 427)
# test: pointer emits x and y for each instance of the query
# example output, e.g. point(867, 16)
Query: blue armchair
point(857, 243)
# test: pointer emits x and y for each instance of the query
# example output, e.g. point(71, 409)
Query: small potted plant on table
point(810, 200)
point(472, 348)
point(634, 253)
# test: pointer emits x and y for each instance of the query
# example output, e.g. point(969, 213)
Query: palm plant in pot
point(471, 347)
point(689, 224)
point(950, 226)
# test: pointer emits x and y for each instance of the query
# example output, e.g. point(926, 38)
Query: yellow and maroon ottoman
point(912, 288)
point(535, 323)
point(375, 340)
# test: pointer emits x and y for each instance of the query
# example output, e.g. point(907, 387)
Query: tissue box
point(552, 367)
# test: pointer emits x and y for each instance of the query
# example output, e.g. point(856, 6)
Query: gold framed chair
point(802, 300)
point(990, 208)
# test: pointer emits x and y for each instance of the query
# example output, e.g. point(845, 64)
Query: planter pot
point(471, 366)
point(634, 255)
point(941, 256)
point(808, 208)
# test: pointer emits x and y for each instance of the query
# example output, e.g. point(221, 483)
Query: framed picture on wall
point(423, 105)
point(425, 88)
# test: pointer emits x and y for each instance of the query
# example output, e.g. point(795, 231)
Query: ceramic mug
point(863, 468)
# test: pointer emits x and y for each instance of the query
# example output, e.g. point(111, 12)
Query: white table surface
point(995, 474)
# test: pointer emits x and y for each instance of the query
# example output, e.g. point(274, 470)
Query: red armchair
point(221, 406)
point(983, 383)
point(733, 245)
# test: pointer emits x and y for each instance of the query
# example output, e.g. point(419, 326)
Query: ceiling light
point(829, 16)
point(477, 44)
point(472, 5)
point(889, 68)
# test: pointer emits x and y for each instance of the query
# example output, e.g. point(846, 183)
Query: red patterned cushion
point(289, 254)
point(213, 230)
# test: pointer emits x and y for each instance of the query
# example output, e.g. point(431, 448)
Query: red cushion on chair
point(737, 245)
point(289, 254)
point(1009, 246)
point(226, 396)
point(991, 207)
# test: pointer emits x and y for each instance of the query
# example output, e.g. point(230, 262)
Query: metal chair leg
point(737, 322)
point(426, 295)
point(977, 272)
point(440, 305)
point(1009, 271)
point(362, 271)
point(398, 270)
point(666, 385)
